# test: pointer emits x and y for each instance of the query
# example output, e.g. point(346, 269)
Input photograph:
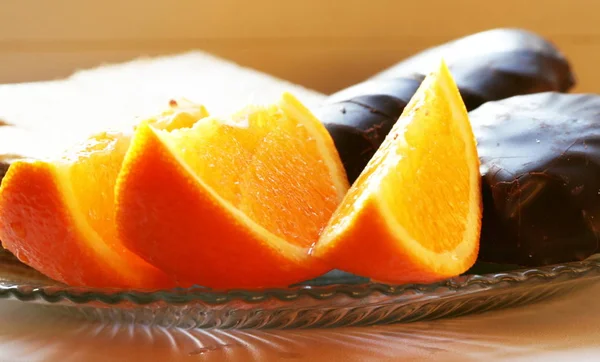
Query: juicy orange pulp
point(232, 203)
point(414, 214)
point(57, 215)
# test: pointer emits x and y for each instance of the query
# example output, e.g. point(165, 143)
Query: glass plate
point(333, 300)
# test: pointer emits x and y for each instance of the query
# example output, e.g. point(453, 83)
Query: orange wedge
point(414, 214)
point(57, 215)
point(232, 203)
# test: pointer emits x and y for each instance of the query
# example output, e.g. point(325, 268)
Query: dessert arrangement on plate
point(462, 179)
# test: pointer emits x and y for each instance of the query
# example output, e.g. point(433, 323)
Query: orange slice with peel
point(57, 215)
point(232, 203)
point(414, 214)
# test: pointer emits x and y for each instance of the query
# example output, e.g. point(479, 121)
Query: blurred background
point(324, 45)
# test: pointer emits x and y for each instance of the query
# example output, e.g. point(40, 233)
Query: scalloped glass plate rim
point(111, 297)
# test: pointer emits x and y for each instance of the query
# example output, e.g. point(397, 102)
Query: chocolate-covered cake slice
point(540, 164)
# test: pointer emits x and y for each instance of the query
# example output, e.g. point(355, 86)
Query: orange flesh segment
point(41, 223)
point(253, 161)
point(91, 168)
point(30, 192)
point(70, 234)
point(418, 201)
point(447, 218)
point(90, 172)
point(198, 202)
point(181, 114)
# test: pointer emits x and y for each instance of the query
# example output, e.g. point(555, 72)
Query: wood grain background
point(323, 44)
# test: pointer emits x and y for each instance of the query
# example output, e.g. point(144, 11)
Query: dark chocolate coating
point(540, 165)
point(486, 66)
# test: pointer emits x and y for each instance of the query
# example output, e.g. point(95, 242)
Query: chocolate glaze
point(487, 66)
point(540, 165)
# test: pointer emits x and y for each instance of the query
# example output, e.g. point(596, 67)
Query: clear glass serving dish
point(333, 300)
